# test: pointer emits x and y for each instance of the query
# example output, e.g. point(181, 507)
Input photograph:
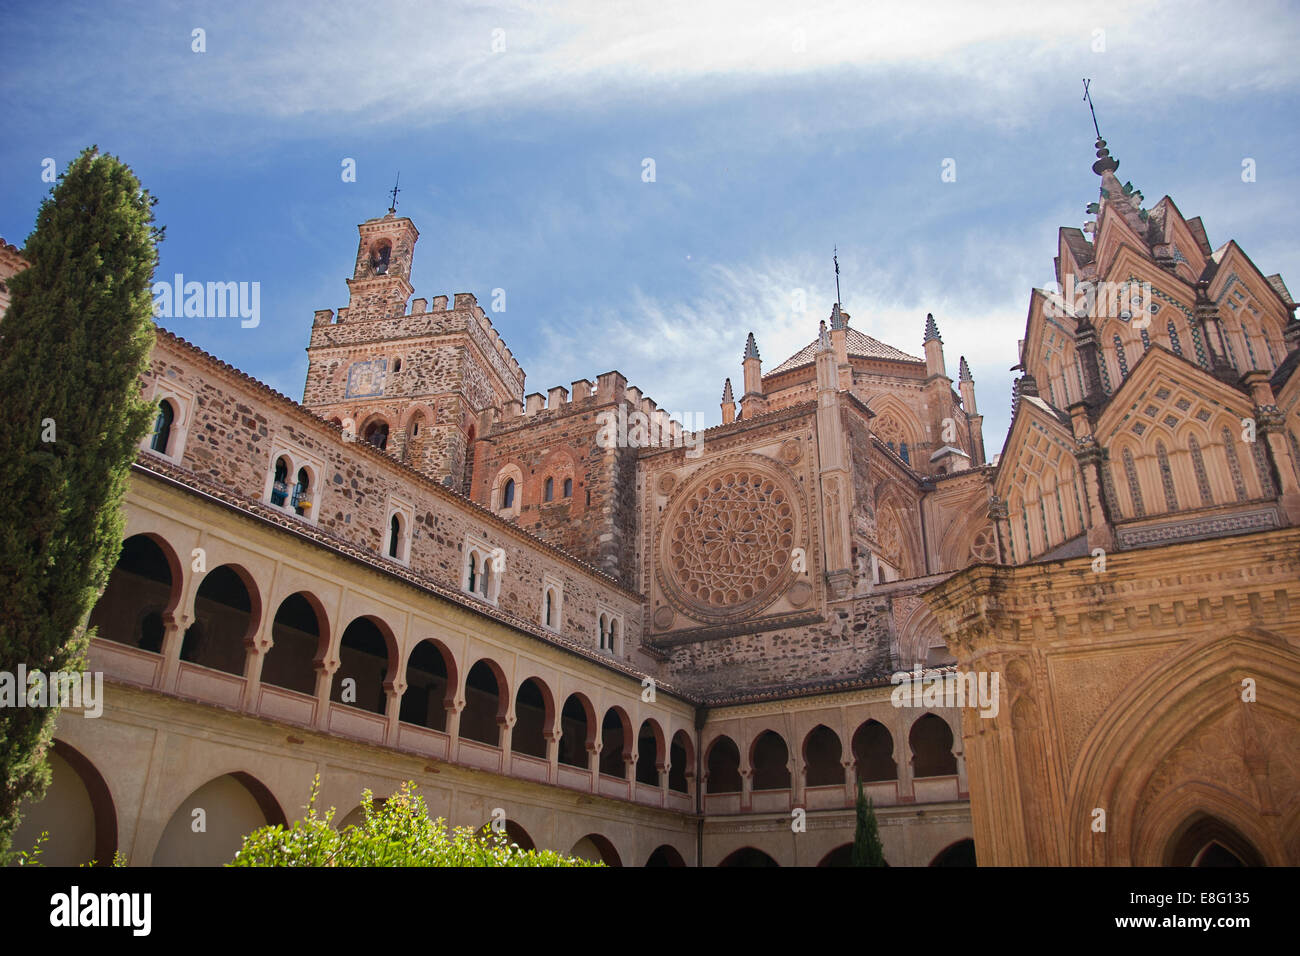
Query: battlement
point(583, 395)
point(463, 312)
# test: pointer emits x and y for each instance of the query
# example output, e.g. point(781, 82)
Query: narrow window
point(508, 494)
point(394, 532)
point(301, 500)
point(1198, 467)
point(397, 366)
point(1134, 487)
point(1166, 477)
point(162, 428)
point(549, 621)
point(568, 487)
point(903, 453)
point(279, 486)
point(473, 571)
point(548, 490)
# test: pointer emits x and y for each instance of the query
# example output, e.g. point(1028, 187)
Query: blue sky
point(777, 131)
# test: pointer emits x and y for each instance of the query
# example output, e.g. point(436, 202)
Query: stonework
point(658, 651)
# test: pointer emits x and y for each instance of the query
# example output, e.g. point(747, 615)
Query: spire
point(931, 328)
point(1105, 162)
point(838, 319)
point(751, 347)
point(836, 257)
point(963, 371)
point(392, 207)
point(728, 404)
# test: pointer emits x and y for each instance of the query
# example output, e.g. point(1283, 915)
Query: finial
point(1104, 159)
point(835, 256)
point(751, 348)
point(823, 338)
point(963, 371)
point(931, 328)
point(392, 206)
point(727, 397)
point(837, 318)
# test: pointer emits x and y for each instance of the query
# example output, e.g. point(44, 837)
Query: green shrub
point(397, 832)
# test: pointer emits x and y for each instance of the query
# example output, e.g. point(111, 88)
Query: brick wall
point(235, 423)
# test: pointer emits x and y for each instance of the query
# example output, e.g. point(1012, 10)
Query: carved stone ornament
point(727, 539)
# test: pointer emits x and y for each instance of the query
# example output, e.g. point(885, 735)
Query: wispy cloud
point(416, 63)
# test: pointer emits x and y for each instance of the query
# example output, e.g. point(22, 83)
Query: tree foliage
point(867, 849)
point(73, 345)
point(394, 832)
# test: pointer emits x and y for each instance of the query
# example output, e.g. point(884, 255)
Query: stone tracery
point(729, 541)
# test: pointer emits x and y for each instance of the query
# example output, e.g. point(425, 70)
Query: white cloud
point(417, 64)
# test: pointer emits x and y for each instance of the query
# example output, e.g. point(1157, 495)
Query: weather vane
point(836, 257)
point(395, 191)
point(1087, 97)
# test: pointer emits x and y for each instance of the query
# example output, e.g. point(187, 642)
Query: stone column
point(393, 691)
point(175, 624)
point(553, 754)
point(324, 682)
point(454, 708)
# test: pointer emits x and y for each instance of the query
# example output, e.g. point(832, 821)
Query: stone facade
point(650, 645)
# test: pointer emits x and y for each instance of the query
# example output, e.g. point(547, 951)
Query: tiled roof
point(860, 345)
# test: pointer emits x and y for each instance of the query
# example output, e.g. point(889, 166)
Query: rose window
point(728, 543)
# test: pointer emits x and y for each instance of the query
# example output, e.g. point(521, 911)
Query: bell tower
point(381, 282)
point(411, 383)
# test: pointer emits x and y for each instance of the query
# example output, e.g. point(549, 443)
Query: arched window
point(568, 487)
point(301, 501)
point(1234, 466)
point(604, 631)
point(1166, 477)
point(162, 427)
point(614, 634)
point(508, 494)
point(280, 486)
point(397, 365)
point(903, 453)
point(394, 535)
point(377, 435)
point(550, 608)
point(473, 571)
point(1134, 488)
point(548, 490)
point(1198, 467)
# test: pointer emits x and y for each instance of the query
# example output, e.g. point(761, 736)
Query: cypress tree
point(867, 849)
point(73, 346)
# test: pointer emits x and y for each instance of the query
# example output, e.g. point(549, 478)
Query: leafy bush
point(397, 832)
